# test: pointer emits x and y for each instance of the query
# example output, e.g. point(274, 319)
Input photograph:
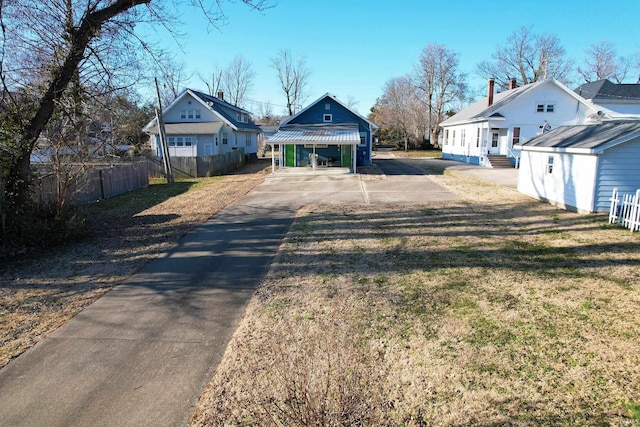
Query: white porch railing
point(625, 210)
point(511, 153)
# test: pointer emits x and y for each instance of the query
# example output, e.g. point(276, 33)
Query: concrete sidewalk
point(142, 354)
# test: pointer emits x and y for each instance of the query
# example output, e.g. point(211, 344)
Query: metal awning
point(317, 135)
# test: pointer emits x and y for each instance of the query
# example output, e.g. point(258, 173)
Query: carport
point(316, 146)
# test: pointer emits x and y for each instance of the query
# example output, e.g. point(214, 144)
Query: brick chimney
point(512, 84)
point(220, 95)
point(492, 83)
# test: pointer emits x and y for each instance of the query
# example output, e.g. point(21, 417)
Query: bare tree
point(440, 81)
point(352, 102)
point(238, 80)
point(172, 79)
point(602, 62)
point(293, 76)
point(400, 113)
point(45, 45)
point(528, 57)
point(213, 81)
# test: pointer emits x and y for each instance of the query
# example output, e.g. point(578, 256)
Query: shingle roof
point(604, 89)
point(593, 138)
point(204, 128)
point(214, 102)
point(317, 134)
point(480, 111)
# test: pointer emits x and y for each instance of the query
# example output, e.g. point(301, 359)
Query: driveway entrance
point(397, 181)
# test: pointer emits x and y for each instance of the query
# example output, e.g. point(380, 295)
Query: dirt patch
point(39, 294)
point(492, 310)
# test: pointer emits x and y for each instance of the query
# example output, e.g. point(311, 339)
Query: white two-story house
point(197, 124)
point(490, 128)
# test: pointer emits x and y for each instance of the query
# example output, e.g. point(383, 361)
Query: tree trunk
point(17, 187)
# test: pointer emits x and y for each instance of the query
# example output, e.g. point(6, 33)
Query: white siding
point(521, 112)
point(570, 185)
point(619, 167)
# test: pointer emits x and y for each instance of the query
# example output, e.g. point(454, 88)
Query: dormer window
point(327, 118)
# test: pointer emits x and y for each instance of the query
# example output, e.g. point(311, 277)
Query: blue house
point(327, 133)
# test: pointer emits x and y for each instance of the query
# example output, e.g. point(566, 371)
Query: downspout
point(595, 185)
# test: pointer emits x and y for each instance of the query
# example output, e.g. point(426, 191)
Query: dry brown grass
point(39, 294)
point(492, 310)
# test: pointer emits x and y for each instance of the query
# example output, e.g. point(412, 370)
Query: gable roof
point(590, 139)
point(213, 104)
point(480, 111)
point(604, 89)
point(333, 98)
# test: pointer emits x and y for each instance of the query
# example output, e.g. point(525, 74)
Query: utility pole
point(166, 160)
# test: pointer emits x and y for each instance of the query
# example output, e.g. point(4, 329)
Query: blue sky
point(353, 47)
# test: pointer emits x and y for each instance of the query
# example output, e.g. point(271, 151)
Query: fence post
point(613, 210)
point(634, 218)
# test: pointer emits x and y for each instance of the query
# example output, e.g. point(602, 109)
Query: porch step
point(500, 162)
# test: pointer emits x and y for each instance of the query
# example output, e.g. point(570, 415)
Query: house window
point(248, 139)
point(327, 118)
point(453, 138)
point(327, 106)
point(183, 114)
point(463, 134)
point(188, 141)
point(446, 137)
point(171, 141)
point(190, 114)
point(550, 165)
point(494, 139)
point(478, 138)
point(516, 136)
point(363, 139)
point(216, 140)
point(542, 107)
point(197, 114)
point(225, 138)
point(180, 141)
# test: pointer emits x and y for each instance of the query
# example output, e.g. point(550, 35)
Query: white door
point(494, 141)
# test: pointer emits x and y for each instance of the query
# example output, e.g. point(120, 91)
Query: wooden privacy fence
point(201, 166)
point(98, 182)
point(625, 210)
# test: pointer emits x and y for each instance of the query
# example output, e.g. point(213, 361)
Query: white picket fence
point(625, 210)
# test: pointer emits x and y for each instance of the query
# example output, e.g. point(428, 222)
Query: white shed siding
point(569, 185)
point(619, 167)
